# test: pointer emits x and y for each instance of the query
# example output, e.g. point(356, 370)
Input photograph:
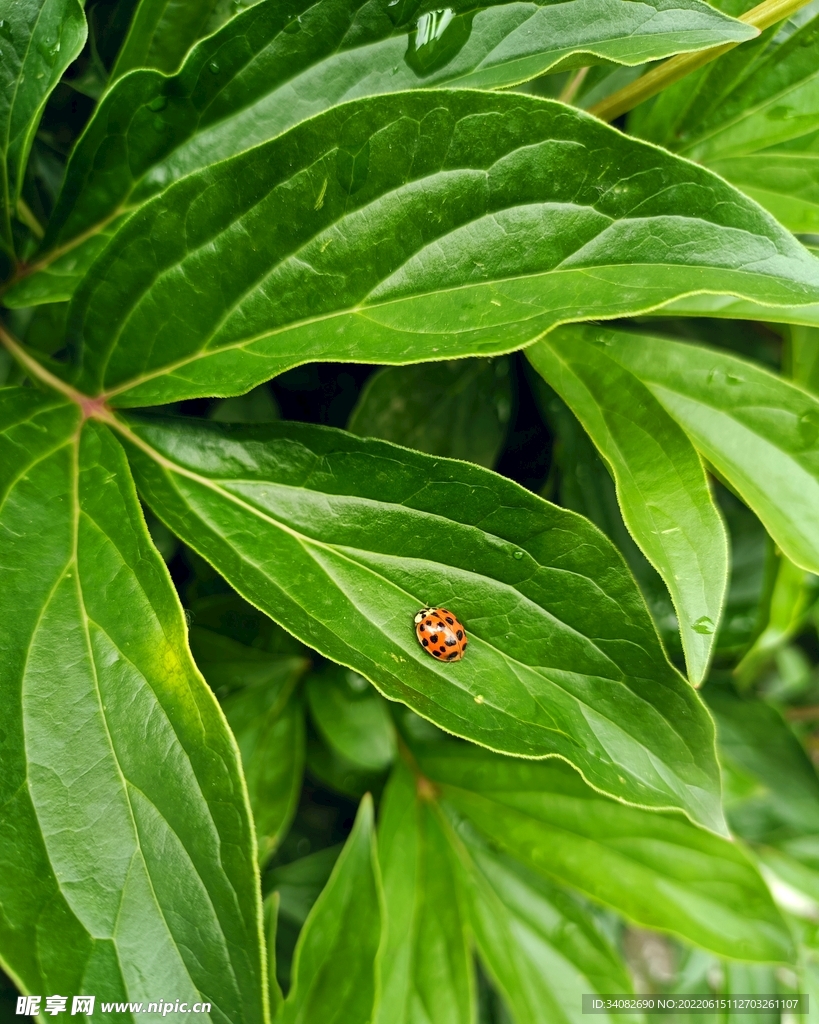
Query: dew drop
point(438, 38)
point(518, 555)
point(213, 67)
point(5, 30)
point(159, 124)
point(479, 699)
point(292, 27)
point(158, 103)
point(703, 625)
point(809, 428)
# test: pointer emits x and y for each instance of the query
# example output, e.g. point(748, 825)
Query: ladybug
point(440, 634)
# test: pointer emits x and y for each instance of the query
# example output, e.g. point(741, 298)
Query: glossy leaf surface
point(427, 963)
point(656, 869)
point(330, 535)
point(335, 967)
point(286, 60)
point(407, 228)
point(268, 723)
point(538, 942)
point(459, 409)
point(161, 33)
point(38, 40)
point(661, 484)
point(125, 831)
point(757, 429)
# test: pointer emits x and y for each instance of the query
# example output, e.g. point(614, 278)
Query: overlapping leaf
point(427, 963)
point(660, 480)
point(335, 968)
point(341, 539)
point(352, 717)
point(456, 409)
point(757, 429)
point(412, 227)
point(287, 60)
point(161, 33)
point(38, 40)
point(656, 869)
point(125, 832)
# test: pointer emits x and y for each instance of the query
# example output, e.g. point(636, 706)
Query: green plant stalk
point(670, 71)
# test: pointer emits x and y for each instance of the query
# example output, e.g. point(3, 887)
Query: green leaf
point(804, 357)
point(57, 280)
point(330, 535)
point(286, 60)
point(299, 883)
point(352, 717)
point(268, 723)
point(661, 484)
point(407, 228)
point(38, 40)
point(161, 33)
point(757, 429)
point(458, 409)
point(125, 832)
point(763, 136)
point(753, 738)
point(274, 993)
point(427, 963)
point(335, 967)
point(582, 482)
point(538, 942)
point(337, 772)
point(655, 868)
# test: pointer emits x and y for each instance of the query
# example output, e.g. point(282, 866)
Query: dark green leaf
point(538, 942)
point(274, 993)
point(660, 480)
point(352, 717)
point(655, 868)
point(337, 772)
point(257, 406)
point(757, 429)
point(335, 967)
point(125, 833)
point(330, 535)
point(38, 40)
point(161, 33)
point(459, 409)
point(407, 228)
point(426, 967)
point(783, 799)
point(804, 358)
point(268, 723)
point(299, 883)
point(286, 60)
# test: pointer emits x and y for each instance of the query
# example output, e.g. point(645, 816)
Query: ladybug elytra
point(440, 634)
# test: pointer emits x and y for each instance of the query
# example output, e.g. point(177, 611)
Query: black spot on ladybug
point(454, 654)
point(464, 646)
point(422, 628)
point(425, 642)
point(450, 643)
point(434, 638)
point(442, 650)
point(437, 654)
point(450, 621)
point(460, 634)
point(429, 622)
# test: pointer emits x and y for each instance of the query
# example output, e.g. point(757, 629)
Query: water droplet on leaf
point(518, 555)
point(158, 103)
point(292, 27)
point(438, 38)
point(809, 427)
point(5, 30)
point(213, 67)
point(703, 625)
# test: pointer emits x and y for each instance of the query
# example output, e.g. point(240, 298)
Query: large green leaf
point(161, 33)
point(407, 228)
point(539, 943)
point(335, 967)
point(38, 40)
point(125, 836)
point(661, 482)
point(342, 539)
point(287, 60)
point(655, 868)
point(267, 721)
point(459, 409)
point(426, 969)
point(758, 430)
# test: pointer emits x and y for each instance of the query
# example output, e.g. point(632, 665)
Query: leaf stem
point(570, 88)
point(90, 407)
point(670, 71)
point(26, 215)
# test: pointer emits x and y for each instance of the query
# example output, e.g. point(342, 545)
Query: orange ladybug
point(440, 634)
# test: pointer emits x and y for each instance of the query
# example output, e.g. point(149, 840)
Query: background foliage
point(418, 330)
